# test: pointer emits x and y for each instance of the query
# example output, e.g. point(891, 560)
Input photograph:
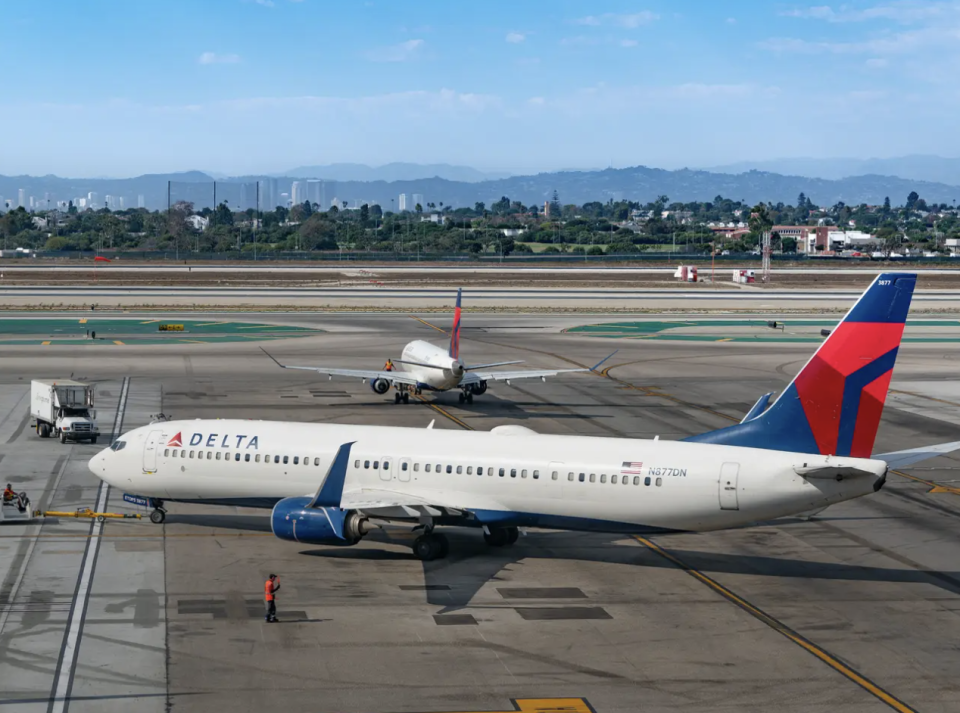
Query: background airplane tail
point(833, 406)
point(455, 329)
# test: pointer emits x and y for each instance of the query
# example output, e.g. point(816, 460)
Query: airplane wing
point(389, 504)
point(396, 377)
point(474, 377)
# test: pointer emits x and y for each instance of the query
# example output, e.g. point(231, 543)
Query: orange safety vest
point(388, 366)
point(268, 591)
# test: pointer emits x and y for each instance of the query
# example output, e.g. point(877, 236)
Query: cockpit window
point(118, 446)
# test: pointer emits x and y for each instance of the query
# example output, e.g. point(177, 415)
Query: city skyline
point(520, 89)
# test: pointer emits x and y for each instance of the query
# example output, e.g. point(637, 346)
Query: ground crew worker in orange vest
point(388, 366)
point(270, 588)
point(9, 494)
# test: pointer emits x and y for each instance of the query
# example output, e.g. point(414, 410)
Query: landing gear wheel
point(431, 546)
point(501, 536)
point(406, 397)
point(470, 398)
point(396, 398)
point(462, 397)
point(158, 516)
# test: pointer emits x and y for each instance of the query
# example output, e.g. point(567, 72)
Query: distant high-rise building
point(418, 201)
point(93, 200)
point(314, 191)
point(268, 194)
point(122, 203)
point(284, 200)
point(141, 202)
point(298, 192)
point(22, 198)
point(402, 205)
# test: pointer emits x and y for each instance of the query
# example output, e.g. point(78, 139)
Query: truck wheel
point(63, 437)
point(93, 440)
point(44, 430)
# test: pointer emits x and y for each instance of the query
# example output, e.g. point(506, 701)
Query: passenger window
point(570, 477)
point(626, 480)
point(479, 470)
point(376, 465)
point(603, 478)
point(636, 480)
point(191, 454)
point(366, 464)
point(306, 460)
point(449, 469)
point(523, 473)
point(536, 475)
point(218, 455)
point(646, 481)
point(200, 455)
point(659, 482)
point(469, 470)
point(236, 456)
point(593, 477)
point(403, 466)
point(427, 467)
point(439, 468)
point(502, 472)
point(296, 460)
point(613, 479)
point(316, 461)
point(166, 452)
point(513, 472)
point(554, 475)
point(386, 465)
point(356, 464)
point(459, 469)
point(416, 467)
point(286, 459)
point(276, 459)
point(209, 455)
point(247, 457)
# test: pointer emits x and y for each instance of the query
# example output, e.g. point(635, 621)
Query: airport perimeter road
point(854, 611)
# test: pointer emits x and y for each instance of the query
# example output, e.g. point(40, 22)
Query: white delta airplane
point(431, 368)
point(330, 483)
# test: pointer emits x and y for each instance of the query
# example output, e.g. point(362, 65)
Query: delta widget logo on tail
point(216, 440)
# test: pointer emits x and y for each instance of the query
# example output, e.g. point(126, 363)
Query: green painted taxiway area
point(90, 331)
point(754, 330)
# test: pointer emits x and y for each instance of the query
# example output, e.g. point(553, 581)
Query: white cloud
point(395, 53)
point(911, 41)
point(628, 43)
point(628, 20)
point(903, 11)
point(214, 58)
point(515, 37)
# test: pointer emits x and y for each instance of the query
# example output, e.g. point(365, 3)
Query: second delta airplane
point(428, 367)
point(329, 483)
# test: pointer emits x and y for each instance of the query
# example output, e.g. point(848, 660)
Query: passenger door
point(151, 448)
point(729, 473)
point(386, 469)
point(403, 474)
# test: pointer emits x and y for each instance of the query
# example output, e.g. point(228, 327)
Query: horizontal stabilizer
point(901, 459)
point(758, 408)
point(474, 367)
point(834, 472)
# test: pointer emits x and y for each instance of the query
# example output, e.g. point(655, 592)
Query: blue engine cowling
point(380, 386)
point(293, 519)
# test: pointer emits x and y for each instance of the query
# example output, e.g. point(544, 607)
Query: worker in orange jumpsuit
point(270, 588)
point(388, 366)
point(9, 494)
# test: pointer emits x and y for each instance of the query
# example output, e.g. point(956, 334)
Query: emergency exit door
point(728, 486)
point(150, 448)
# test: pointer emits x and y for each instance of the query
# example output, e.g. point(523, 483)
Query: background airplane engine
point(293, 519)
point(479, 388)
point(380, 386)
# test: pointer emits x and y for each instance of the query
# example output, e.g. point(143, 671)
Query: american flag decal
point(632, 467)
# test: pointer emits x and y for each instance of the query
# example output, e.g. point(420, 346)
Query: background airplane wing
point(396, 377)
point(474, 377)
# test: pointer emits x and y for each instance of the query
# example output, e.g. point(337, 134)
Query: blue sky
point(105, 87)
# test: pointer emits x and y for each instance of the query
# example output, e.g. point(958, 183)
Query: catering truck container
point(63, 408)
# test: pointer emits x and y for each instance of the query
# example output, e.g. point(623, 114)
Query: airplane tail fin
point(833, 406)
point(455, 329)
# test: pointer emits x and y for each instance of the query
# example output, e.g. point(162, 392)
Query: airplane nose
point(98, 465)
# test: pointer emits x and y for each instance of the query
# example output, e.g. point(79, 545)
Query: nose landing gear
point(159, 514)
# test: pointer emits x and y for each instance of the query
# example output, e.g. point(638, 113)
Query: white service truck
point(63, 408)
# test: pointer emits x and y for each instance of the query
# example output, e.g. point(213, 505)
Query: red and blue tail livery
point(454, 351)
point(833, 406)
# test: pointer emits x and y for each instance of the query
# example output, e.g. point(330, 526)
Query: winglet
point(597, 365)
point(272, 358)
point(330, 492)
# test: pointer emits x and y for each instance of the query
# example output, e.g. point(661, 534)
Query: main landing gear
point(402, 395)
point(466, 396)
point(159, 514)
point(434, 545)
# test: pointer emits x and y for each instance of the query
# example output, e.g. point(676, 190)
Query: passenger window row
point(502, 472)
point(246, 457)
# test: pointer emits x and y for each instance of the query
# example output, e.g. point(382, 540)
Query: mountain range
point(638, 183)
point(392, 172)
point(918, 167)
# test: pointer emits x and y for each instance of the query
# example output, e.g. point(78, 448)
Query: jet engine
point(380, 386)
point(479, 388)
point(293, 519)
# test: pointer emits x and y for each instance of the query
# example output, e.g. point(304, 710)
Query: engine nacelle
point(293, 519)
point(380, 386)
point(479, 388)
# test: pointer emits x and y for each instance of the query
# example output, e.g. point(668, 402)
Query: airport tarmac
point(855, 610)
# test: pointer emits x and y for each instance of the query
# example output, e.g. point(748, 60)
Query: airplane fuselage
point(443, 373)
point(509, 476)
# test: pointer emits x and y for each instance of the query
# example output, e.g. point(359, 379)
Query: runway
point(855, 610)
